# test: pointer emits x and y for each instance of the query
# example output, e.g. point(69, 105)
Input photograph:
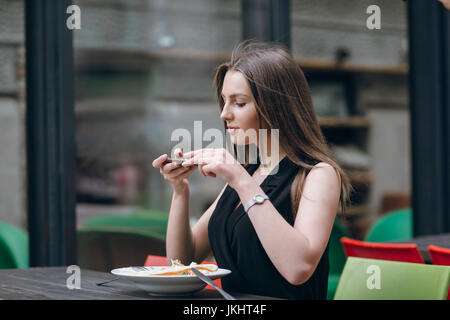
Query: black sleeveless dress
point(236, 246)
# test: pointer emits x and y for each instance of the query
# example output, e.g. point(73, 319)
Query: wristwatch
point(257, 199)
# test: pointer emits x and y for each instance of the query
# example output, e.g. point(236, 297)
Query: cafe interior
point(91, 92)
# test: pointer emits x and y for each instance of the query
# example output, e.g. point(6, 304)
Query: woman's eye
point(241, 104)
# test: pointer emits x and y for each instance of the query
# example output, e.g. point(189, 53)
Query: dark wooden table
point(441, 240)
point(50, 283)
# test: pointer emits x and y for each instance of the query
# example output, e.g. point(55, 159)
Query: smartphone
point(178, 160)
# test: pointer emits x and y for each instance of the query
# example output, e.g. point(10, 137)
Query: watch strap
point(255, 200)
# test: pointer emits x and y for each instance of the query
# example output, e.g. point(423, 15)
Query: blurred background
point(145, 68)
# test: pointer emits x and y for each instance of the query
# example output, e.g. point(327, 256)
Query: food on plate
point(177, 268)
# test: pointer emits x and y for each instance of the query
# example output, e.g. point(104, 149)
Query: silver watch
point(257, 199)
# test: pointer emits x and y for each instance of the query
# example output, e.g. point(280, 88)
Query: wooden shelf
point(139, 60)
point(322, 65)
point(354, 122)
point(102, 56)
point(360, 177)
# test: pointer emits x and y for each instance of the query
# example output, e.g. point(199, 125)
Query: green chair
point(13, 247)
point(336, 257)
point(110, 241)
point(394, 225)
point(374, 279)
point(145, 222)
point(104, 250)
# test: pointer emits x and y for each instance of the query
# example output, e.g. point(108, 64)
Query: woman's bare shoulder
point(324, 172)
point(325, 169)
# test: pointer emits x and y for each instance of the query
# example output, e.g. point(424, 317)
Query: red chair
point(440, 256)
point(153, 260)
point(404, 252)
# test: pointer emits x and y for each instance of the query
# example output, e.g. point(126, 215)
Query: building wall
point(12, 115)
point(386, 101)
point(12, 173)
point(321, 27)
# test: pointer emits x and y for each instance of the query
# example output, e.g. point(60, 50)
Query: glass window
point(143, 70)
point(358, 79)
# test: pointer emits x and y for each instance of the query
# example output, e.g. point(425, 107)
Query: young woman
point(277, 246)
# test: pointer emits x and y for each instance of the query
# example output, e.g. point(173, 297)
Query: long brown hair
point(283, 101)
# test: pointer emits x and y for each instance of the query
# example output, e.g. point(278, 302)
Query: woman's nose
point(226, 114)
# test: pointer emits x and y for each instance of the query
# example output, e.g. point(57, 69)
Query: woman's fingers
point(182, 173)
point(207, 170)
point(171, 167)
point(189, 154)
point(200, 158)
point(199, 153)
point(220, 155)
point(178, 153)
point(176, 173)
point(187, 172)
point(158, 162)
point(205, 157)
point(196, 158)
point(200, 169)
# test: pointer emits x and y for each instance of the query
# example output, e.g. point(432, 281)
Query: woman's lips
point(232, 130)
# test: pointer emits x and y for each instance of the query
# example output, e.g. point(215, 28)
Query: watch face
point(259, 199)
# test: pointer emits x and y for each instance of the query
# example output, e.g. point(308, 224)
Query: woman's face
point(239, 111)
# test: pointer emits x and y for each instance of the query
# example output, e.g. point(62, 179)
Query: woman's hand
point(213, 162)
point(173, 172)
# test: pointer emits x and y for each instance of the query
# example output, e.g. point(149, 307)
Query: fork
point(139, 269)
point(207, 280)
point(105, 282)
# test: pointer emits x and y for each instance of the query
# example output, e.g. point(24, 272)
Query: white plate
point(168, 284)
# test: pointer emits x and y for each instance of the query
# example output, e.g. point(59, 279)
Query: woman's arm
point(183, 243)
point(296, 251)
point(179, 243)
